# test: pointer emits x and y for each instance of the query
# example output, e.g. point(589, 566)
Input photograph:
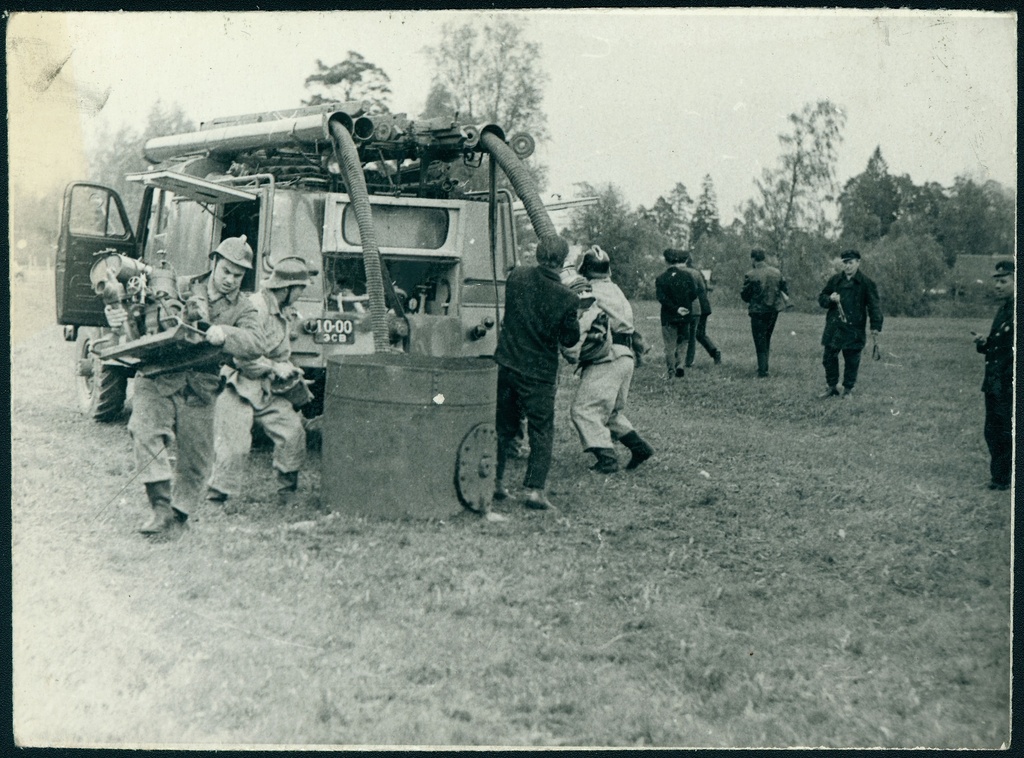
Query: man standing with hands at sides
point(676, 290)
point(764, 291)
point(177, 403)
point(541, 314)
point(255, 390)
point(998, 383)
point(851, 299)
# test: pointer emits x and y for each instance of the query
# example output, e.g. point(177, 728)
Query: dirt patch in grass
point(784, 572)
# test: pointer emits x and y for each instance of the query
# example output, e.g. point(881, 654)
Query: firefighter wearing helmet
point(268, 391)
point(607, 354)
point(178, 402)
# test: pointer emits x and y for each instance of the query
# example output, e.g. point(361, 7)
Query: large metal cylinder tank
point(408, 435)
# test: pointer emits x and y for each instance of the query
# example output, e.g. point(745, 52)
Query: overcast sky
point(638, 98)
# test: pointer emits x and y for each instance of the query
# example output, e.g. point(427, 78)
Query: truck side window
point(94, 212)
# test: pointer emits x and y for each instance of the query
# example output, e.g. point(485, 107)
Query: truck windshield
point(401, 227)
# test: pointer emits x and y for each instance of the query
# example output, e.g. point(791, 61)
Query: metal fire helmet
point(236, 250)
point(289, 272)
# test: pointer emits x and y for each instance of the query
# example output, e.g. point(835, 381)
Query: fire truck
point(405, 257)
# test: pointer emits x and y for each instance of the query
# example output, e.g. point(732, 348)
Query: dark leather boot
point(163, 517)
point(607, 463)
point(288, 488)
point(638, 447)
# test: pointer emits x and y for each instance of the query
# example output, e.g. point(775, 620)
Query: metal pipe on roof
point(238, 138)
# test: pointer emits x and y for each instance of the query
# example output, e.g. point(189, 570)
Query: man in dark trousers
point(541, 314)
point(851, 299)
point(699, 318)
point(676, 290)
point(998, 383)
point(764, 291)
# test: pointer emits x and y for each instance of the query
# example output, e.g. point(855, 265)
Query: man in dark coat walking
point(852, 300)
point(998, 383)
point(698, 324)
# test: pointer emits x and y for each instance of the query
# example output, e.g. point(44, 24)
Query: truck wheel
point(101, 389)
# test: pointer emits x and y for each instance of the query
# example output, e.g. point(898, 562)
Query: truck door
point(92, 220)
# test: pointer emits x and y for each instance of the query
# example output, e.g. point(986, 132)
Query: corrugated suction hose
point(522, 182)
point(355, 182)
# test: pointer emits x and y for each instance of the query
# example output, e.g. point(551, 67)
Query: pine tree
point(705, 221)
point(353, 79)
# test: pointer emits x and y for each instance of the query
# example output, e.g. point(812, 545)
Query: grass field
point(785, 572)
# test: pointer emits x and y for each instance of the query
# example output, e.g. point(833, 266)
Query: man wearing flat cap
point(267, 390)
point(998, 383)
point(676, 290)
point(852, 301)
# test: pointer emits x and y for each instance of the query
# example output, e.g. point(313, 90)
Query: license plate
point(334, 331)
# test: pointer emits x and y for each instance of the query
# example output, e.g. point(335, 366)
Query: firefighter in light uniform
point(598, 406)
point(254, 392)
point(177, 404)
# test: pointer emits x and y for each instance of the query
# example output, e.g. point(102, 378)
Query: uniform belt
point(621, 338)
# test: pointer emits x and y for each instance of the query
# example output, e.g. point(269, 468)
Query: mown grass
point(785, 572)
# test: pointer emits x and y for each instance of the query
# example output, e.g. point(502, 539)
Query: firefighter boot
point(288, 488)
point(638, 447)
point(607, 463)
point(163, 516)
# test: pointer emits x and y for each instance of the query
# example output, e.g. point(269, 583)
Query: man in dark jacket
point(998, 383)
point(851, 299)
point(764, 292)
point(676, 290)
point(541, 314)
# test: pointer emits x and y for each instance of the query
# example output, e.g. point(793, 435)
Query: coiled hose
point(355, 182)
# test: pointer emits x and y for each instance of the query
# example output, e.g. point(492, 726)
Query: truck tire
point(101, 389)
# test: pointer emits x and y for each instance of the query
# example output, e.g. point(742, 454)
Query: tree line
point(910, 235)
